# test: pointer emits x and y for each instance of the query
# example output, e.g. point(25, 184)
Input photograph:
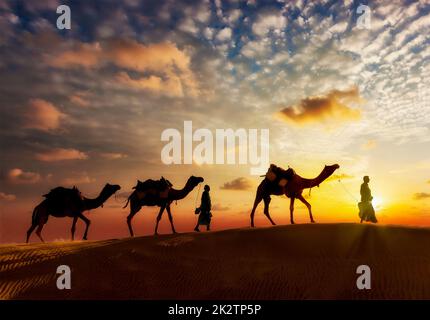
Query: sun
point(378, 202)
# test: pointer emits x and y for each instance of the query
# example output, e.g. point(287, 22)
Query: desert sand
point(283, 262)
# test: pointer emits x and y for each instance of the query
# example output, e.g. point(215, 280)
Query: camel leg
point(75, 219)
point(133, 211)
point(308, 205)
point(39, 217)
point(30, 231)
point(292, 210)
point(266, 209)
point(170, 218)
point(159, 218)
point(257, 200)
point(87, 222)
point(39, 231)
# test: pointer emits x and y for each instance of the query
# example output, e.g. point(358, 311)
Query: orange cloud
point(328, 107)
point(163, 58)
point(84, 54)
point(421, 196)
point(219, 207)
point(19, 176)
point(237, 184)
point(113, 155)
point(171, 86)
point(42, 115)
point(133, 55)
point(79, 99)
point(170, 66)
point(60, 154)
point(341, 176)
point(7, 197)
point(81, 178)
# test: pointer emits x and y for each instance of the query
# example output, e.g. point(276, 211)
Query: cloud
point(60, 154)
point(7, 197)
point(237, 184)
point(79, 99)
point(171, 86)
point(339, 28)
point(80, 178)
point(160, 57)
point(219, 207)
point(341, 176)
point(203, 13)
point(188, 25)
point(253, 49)
point(234, 15)
point(269, 21)
point(224, 34)
point(421, 195)
point(329, 107)
point(170, 66)
point(369, 144)
point(19, 176)
point(208, 33)
point(42, 115)
point(36, 6)
point(86, 55)
point(113, 155)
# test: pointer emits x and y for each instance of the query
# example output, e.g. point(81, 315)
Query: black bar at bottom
point(241, 309)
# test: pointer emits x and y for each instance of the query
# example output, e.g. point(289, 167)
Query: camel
point(293, 188)
point(62, 202)
point(139, 199)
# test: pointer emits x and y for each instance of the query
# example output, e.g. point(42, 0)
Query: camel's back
point(294, 186)
point(61, 192)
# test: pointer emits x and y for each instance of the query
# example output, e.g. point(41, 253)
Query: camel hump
point(61, 192)
point(60, 197)
point(159, 185)
point(166, 182)
point(275, 173)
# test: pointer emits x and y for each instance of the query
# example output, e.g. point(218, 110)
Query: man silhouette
point(367, 213)
point(205, 210)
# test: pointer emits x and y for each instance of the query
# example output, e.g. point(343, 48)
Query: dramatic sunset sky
point(88, 105)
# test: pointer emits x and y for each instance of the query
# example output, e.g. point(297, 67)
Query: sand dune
point(286, 262)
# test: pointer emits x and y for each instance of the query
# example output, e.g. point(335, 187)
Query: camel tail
point(128, 200)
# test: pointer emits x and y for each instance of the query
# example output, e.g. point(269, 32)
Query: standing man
point(205, 210)
point(367, 213)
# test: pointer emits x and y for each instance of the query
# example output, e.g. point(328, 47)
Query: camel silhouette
point(62, 202)
point(293, 189)
point(139, 199)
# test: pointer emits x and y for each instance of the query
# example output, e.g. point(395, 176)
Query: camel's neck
point(96, 202)
point(175, 194)
point(315, 182)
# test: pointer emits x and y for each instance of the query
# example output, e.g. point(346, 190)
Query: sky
point(88, 105)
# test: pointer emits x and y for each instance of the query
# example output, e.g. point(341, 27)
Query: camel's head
point(194, 181)
point(331, 169)
point(111, 188)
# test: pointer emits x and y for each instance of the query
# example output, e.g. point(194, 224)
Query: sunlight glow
point(378, 202)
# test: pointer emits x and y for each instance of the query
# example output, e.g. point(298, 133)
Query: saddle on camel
point(61, 197)
point(278, 176)
point(151, 187)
